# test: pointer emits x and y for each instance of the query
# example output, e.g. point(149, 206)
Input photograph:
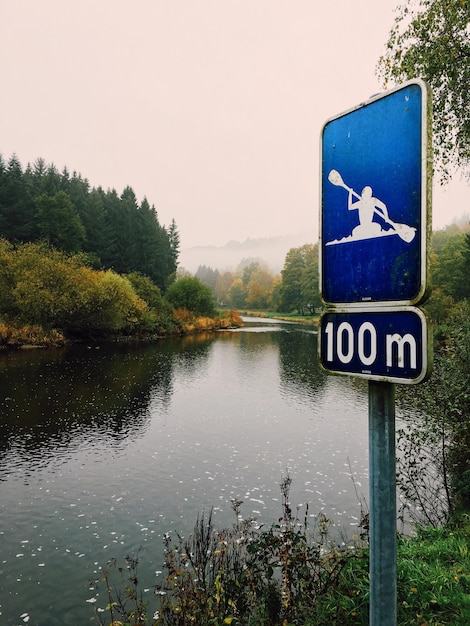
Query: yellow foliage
point(26, 335)
point(204, 323)
point(5, 334)
point(45, 287)
point(182, 315)
point(235, 318)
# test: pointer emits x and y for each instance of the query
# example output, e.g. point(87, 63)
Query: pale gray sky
point(210, 108)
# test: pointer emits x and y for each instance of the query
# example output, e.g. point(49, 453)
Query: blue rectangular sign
point(386, 344)
point(375, 199)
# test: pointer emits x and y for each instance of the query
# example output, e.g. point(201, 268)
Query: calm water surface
point(103, 450)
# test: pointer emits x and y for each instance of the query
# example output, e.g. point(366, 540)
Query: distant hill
point(271, 251)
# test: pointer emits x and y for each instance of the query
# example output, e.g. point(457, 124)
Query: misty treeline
point(254, 286)
point(39, 203)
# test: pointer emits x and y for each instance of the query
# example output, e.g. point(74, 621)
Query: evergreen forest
point(114, 231)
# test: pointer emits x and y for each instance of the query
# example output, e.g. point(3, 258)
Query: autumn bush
point(230, 319)
point(43, 288)
point(189, 322)
point(26, 335)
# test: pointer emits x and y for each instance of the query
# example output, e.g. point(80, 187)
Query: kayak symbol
point(368, 207)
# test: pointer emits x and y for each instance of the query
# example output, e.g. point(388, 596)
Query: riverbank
point(24, 336)
point(285, 317)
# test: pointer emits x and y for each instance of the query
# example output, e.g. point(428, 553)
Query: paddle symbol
point(368, 207)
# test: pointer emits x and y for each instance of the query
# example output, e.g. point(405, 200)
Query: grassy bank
point(433, 583)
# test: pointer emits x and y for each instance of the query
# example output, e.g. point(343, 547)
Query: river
point(105, 449)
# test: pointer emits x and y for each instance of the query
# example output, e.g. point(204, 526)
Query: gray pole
point(383, 505)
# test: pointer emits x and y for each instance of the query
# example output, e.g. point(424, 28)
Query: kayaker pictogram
point(368, 207)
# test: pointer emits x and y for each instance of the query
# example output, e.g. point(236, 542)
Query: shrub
point(189, 293)
point(45, 287)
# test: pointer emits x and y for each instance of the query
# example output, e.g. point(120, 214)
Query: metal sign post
point(373, 260)
point(382, 505)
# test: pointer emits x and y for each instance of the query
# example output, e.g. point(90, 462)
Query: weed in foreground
point(249, 575)
point(242, 575)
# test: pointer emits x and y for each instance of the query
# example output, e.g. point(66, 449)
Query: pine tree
point(59, 223)
point(16, 204)
point(174, 240)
